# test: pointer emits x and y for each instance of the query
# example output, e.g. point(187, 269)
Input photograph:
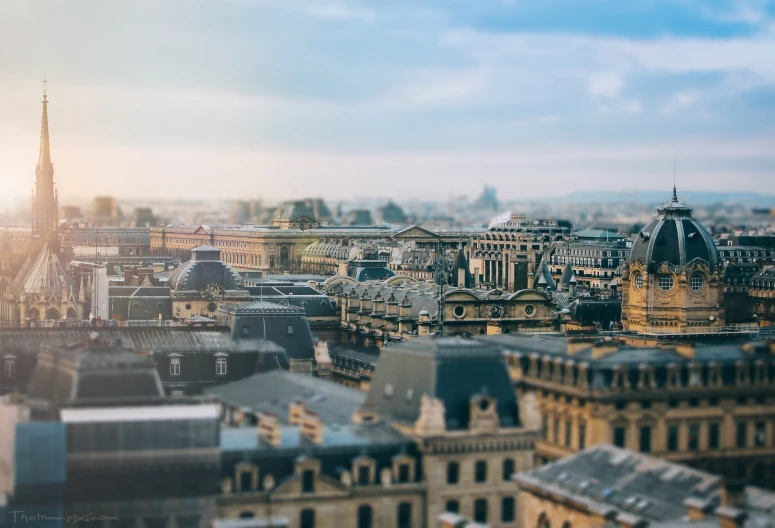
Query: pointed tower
point(44, 205)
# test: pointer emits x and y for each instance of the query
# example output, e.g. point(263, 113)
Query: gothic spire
point(44, 215)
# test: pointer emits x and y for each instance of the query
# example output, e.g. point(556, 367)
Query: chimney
point(603, 348)
point(577, 345)
point(269, 428)
point(296, 411)
point(311, 427)
point(687, 350)
point(731, 517)
point(697, 509)
point(628, 520)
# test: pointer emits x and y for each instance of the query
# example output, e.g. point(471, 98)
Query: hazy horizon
point(277, 99)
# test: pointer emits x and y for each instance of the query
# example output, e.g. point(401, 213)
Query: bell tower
point(45, 201)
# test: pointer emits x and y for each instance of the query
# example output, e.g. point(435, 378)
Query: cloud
point(605, 84)
point(339, 12)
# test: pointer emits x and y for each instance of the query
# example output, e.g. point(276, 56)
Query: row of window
point(713, 436)
point(365, 516)
point(9, 368)
point(481, 507)
point(220, 366)
point(480, 471)
point(568, 435)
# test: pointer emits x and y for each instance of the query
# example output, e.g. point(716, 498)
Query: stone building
point(608, 486)
point(440, 429)
point(201, 285)
point(673, 283)
point(706, 405)
point(95, 437)
point(508, 254)
point(374, 313)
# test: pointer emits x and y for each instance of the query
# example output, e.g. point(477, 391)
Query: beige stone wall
point(335, 511)
point(533, 508)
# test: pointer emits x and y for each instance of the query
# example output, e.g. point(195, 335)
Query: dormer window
point(9, 368)
point(220, 366)
point(175, 366)
point(742, 373)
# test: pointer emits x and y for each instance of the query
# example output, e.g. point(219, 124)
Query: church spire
point(44, 214)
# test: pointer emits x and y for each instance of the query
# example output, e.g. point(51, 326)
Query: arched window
point(453, 473)
point(405, 515)
point(508, 469)
point(452, 506)
point(271, 261)
point(307, 519)
point(283, 256)
point(480, 511)
point(53, 313)
point(543, 521)
point(364, 516)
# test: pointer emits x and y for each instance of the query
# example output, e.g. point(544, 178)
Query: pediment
point(415, 232)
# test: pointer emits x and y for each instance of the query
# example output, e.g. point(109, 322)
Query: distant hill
point(648, 197)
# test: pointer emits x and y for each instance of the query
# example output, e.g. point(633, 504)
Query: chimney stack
point(731, 517)
point(311, 427)
point(269, 428)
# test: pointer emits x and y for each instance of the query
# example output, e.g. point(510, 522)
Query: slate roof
point(605, 477)
point(598, 234)
point(94, 371)
point(674, 237)
point(156, 339)
point(261, 307)
point(197, 274)
point(45, 274)
point(275, 391)
point(452, 369)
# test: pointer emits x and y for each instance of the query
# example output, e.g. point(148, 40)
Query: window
point(244, 515)
point(245, 331)
point(694, 402)
point(389, 390)
point(530, 310)
point(174, 366)
point(246, 480)
point(307, 519)
point(364, 475)
point(760, 438)
point(290, 329)
point(507, 510)
point(452, 506)
point(620, 405)
point(696, 282)
point(568, 433)
point(673, 404)
point(364, 516)
point(556, 431)
point(404, 515)
point(713, 436)
point(177, 392)
point(582, 437)
point(9, 368)
point(713, 402)
point(220, 366)
point(665, 282)
point(672, 438)
point(620, 436)
point(645, 439)
point(308, 481)
point(509, 469)
point(742, 434)
point(403, 473)
point(481, 471)
point(480, 511)
point(453, 473)
point(694, 437)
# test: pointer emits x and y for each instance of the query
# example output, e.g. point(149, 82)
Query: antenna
point(440, 280)
point(675, 193)
point(45, 83)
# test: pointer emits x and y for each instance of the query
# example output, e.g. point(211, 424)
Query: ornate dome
point(674, 237)
point(204, 270)
point(294, 212)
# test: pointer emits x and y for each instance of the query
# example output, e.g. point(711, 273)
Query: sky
point(280, 99)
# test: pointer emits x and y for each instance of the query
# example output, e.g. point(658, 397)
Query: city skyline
point(354, 98)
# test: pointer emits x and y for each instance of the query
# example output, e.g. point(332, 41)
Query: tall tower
point(44, 203)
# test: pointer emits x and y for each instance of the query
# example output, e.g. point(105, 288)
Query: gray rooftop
point(273, 392)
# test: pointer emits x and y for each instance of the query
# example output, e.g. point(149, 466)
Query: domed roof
point(205, 269)
point(293, 211)
point(674, 237)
